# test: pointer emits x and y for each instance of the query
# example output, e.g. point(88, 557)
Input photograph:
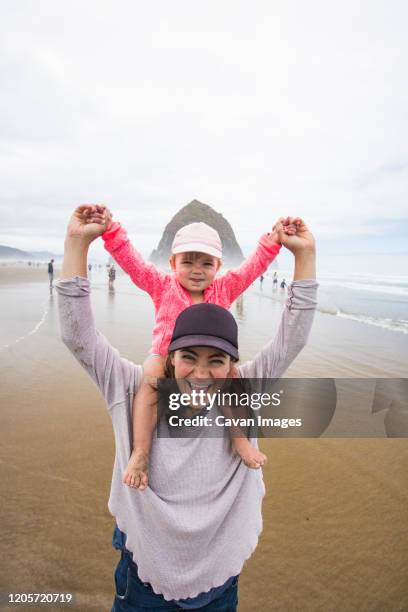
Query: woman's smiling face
point(201, 363)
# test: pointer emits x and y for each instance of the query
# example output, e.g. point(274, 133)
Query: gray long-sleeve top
point(200, 518)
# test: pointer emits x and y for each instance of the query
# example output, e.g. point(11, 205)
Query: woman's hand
point(88, 222)
point(299, 242)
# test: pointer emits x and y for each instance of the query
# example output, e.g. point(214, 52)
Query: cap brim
point(195, 247)
point(204, 340)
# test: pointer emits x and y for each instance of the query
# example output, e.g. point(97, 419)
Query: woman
point(191, 531)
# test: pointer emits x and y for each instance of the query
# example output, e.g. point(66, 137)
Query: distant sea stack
point(192, 213)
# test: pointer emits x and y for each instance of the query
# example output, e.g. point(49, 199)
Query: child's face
point(195, 271)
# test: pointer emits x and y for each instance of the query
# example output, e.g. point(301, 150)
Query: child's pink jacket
point(169, 297)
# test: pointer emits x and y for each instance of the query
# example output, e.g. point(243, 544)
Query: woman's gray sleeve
point(112, 374)
point(294, 329)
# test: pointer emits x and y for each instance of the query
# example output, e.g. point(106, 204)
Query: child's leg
point(144, 420)
point(252, 457)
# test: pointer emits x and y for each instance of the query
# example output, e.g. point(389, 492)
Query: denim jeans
point(132, 595)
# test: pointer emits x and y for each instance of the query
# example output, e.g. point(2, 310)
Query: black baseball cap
point(206, 325)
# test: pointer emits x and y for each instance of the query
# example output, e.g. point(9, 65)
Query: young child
point(196, 257)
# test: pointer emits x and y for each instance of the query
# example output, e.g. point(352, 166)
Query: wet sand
point(335, 514)
point(22, 274)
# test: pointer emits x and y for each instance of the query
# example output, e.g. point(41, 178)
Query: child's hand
point(301, 240)
point(100, 214)
point(283, 225)
point(87, 223)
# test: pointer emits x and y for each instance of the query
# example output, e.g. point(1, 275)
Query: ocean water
point(360, 331)
point(370, 289)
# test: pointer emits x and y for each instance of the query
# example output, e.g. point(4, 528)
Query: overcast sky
point(258, 108)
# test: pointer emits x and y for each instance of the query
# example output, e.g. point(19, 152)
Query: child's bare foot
point(252, 457)
point(136, 473)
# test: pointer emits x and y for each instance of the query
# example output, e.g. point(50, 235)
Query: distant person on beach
point(185, 540)
point(283, 284)
point(196, 256)
point(111, 276)
point(51, 272)
point(275, 280)
point(261, 280)
point(90, 267)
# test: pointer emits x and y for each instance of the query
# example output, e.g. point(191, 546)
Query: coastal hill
point(193, 212)
point(17, 254)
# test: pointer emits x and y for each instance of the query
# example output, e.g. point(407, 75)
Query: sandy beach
point(335, 514)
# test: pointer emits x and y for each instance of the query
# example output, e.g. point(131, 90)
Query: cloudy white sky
point(258, 108)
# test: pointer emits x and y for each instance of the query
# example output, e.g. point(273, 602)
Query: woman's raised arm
point(114, 375)
point(298, 315)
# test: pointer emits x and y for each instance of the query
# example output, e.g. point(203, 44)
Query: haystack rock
point(193, 212)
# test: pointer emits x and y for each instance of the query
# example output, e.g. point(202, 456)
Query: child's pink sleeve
point(234, 282)
point(144, 275)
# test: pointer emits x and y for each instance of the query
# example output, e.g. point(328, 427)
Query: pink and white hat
point(197, 237)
